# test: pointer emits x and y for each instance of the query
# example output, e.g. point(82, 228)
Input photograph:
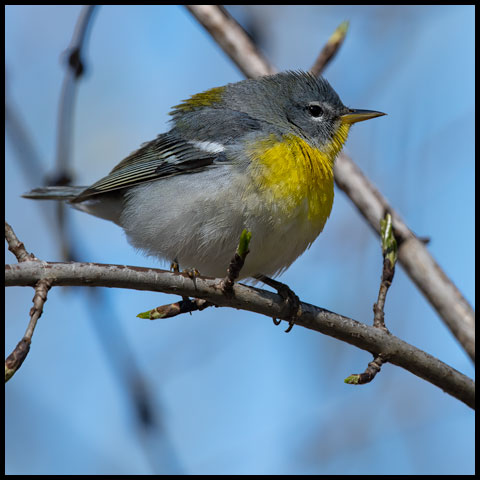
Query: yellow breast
point(289, 173)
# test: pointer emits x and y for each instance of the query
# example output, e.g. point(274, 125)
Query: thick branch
point(233, 39)
point(252, 299)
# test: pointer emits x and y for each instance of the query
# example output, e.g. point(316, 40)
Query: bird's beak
point(354, 116)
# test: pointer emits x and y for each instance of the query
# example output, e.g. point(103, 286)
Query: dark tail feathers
point(54, 193)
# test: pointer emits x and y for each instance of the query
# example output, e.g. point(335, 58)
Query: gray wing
point(165, 156)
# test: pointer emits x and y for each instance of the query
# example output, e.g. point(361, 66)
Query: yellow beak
point(354, 116)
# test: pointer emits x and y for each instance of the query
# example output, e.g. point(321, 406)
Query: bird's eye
point(315, 110)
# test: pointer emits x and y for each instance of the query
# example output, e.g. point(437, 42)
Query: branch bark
point(368, 338)
point(233, 39)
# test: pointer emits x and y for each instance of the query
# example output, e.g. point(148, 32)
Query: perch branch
point(252, 299)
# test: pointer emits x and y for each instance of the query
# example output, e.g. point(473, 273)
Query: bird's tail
point(54, 193)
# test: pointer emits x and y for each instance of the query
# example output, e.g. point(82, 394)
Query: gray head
point(289, 100)
point(282, 103)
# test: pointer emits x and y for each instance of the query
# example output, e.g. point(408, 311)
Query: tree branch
point(252, 299)
point(233, 39)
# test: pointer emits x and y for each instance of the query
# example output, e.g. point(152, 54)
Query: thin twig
point(14, 361)
point(330, 49)
point(16, 246)
point(389, 253)
point(237, 262)
point(369, 374)
point(432, 281)
point(187, 305)
point(41, 290)
point(233, 271)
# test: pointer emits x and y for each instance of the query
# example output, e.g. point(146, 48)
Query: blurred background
point(225, 391)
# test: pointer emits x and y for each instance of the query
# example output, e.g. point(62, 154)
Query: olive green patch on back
point(203, 99)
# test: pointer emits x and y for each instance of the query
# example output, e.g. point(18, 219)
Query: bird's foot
point(288, 295)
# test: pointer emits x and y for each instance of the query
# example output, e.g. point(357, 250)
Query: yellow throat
point(290, 172)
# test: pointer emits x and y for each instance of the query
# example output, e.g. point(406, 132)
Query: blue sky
point(231, 393)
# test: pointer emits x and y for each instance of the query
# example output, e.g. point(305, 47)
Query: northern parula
point(255, 155)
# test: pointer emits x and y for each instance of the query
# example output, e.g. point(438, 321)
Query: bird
point(257, 154)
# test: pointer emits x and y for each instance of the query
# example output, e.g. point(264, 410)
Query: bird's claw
point(288, 295)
